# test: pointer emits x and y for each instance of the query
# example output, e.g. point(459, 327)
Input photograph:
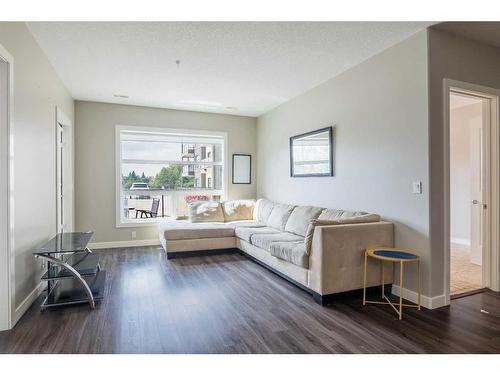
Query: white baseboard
point(460, 241)
point(426, 301)
point(27, 302)
point(115, 244)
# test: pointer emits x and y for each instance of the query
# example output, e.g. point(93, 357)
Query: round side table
point(389, 254)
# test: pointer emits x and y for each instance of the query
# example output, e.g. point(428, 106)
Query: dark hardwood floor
point(229, 304)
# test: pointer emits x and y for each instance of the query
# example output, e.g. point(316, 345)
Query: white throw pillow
point(204, 212)
point(241, 209)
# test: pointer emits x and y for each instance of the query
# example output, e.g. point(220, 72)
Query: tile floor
point(464, 276)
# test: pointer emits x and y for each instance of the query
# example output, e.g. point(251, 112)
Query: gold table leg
point(400, 290)
point(418, 271)
point(364, 280)
point(382, 277)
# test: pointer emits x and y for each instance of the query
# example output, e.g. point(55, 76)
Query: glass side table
point(73, 274)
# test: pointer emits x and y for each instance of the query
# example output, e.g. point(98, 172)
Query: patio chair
point(149, 213)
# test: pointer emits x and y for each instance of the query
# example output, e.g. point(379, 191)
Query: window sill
point(143, 223)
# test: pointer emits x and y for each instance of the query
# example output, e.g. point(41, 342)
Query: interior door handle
point(484, 205)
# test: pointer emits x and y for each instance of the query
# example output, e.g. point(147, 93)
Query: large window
point(160, 171)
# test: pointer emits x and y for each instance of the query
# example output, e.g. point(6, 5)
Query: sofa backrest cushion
point(241, 209)
point(203, 212)
point(262, 210)
point(279, 216)
point(300, 217)
point(334, 214)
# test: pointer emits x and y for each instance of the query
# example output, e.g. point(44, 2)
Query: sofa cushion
point(300, 217)
point(241, 209)
point(293, 252)
point(184, 230)
point(279, 216)
point(203, 212)
point(264, 240)
point(245, 233)
point(245, 223)
point(263, 208)
point(359, 219)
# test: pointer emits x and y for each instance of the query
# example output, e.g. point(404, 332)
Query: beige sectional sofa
point(318, 249)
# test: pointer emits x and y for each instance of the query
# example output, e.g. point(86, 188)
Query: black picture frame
point(328, 129)
point(249, 169)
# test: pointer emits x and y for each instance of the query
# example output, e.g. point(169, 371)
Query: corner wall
point(37, 93)
point(95, 159)
point(380, 112)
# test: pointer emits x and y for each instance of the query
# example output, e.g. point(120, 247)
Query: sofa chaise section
point(181, 236)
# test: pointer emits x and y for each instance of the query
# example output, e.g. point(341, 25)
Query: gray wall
point(37, 92)
point(95, 159)
point(379, 109)
point(463, 60)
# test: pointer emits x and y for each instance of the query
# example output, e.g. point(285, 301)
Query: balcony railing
point(173, 203)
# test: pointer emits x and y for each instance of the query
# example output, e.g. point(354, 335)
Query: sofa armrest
point(336, 261)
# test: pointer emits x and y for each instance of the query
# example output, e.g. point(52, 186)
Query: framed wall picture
point(311, 154)
point(242, 169)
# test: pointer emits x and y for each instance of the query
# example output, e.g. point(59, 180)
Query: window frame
point(162, 130)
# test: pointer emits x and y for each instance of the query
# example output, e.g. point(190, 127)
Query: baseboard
point(460, 241)
point(115, 244)
point(426, 301)
point(27, 302)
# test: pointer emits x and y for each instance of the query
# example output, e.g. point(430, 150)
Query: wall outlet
point(134, 234)
point(417, 187)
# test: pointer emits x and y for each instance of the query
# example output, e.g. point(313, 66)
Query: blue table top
point(394, 254)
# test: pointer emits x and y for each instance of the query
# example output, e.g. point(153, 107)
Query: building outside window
point(160, 171)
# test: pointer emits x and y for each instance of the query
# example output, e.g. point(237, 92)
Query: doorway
point(469, 178)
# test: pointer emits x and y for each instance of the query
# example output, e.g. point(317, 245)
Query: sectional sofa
point(320, 250)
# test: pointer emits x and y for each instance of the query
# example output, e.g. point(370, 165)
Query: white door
point(61, 219)
point(478, 201)
point(64, 174)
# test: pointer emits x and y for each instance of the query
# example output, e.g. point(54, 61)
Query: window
point(160, 171)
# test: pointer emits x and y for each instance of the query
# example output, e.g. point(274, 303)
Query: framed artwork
point(242, 169)
point(311, 154)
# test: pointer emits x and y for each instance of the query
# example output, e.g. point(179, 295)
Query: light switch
point(417, 187)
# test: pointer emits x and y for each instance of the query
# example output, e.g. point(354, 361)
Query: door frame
point(7, 254)
point(491, 259)
point(63, 120)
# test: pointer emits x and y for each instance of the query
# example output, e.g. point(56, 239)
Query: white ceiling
point(242, 68)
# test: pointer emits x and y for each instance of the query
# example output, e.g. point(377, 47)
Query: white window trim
point(118, 160)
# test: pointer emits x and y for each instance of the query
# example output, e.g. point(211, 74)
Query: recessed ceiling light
point(121, 96)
